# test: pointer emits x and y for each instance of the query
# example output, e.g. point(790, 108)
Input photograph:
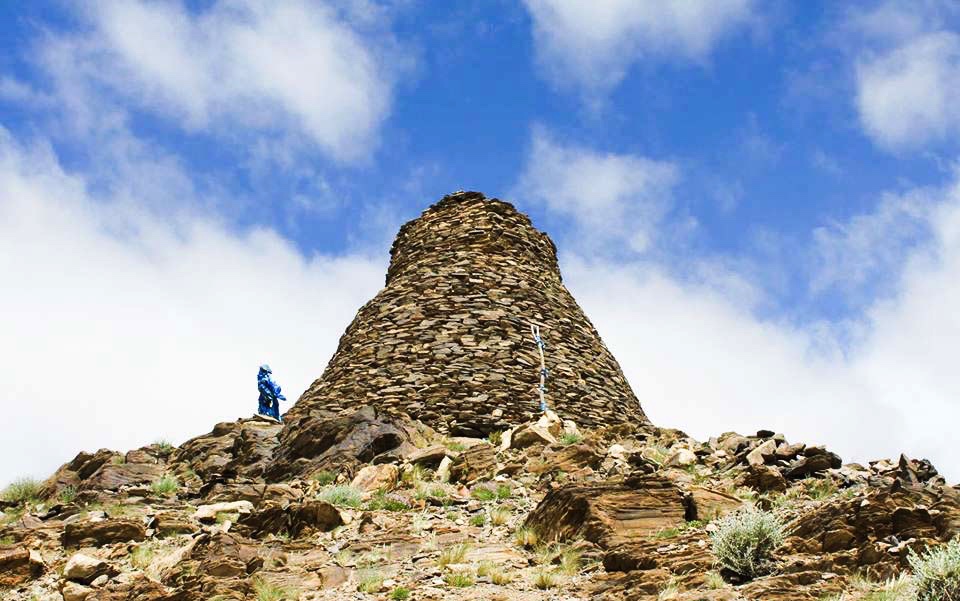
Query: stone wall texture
point(448, 339)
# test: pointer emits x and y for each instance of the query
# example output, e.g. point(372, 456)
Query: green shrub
point(478, 520)
point(744, 541)
point(483, 493)
point(324, 478)
point(386, 502)
point(141, 556)
point(67, 494)
point(570, 438)
point(504, 492)
point(164, 447)
point(936, 572)
point(165, 486)
point(400, 594)
point(495, 438)
point(22, 490)
point(348, 496)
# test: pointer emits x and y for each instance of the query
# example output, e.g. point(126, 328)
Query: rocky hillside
point(386, 508)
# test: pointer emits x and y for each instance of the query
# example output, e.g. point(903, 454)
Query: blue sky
point(754, 201)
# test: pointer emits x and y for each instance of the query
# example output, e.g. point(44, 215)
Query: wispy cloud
point(613, 196)
point(590, 46)
point(299, 72)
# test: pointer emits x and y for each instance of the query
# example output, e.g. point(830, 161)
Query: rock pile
point(448, 340)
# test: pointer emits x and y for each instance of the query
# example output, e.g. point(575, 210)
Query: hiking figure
point(270, 396)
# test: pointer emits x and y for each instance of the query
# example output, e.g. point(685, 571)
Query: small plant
point(118, 459)
point(478, 520)
point(459, 579)
point(744, 541)
point(485, 567)
point(6, 540)
point(416, 475)
point(163, 446)
point(499, 576)
point(495, 438)
point(141, 557)
point(546, 579)
point(669, 591)
point(499, 516)
point(570, 438)
point(165, 486)
point(453, 554)
point(266, 591)
point(67, 494)
point(503, 492)
point(936, 572)
point(714, 580)
point(347, 496)
point(525, 537)
point(821, 489)
point(386, 502)
point(371, 581)
point(570, 562)
point(227, 516)
point(400, 594)
point(324, 478)
point(667, 533)
point(22, 490)
point(343, 557)
point(455, 446)
point(483, 493)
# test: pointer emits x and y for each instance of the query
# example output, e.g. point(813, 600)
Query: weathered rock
point(113, 476)
point(98, 533)
point(376, 477)
point(813, 464)
point(609, 514)
point(173, 523)
point(429, 457)
point(681, 457)
point(476, 463)
point(293, 519)
point(707, 505)
point(762, 453)
point(84, 569)
point(73, 591)
point(763, 478)
point(15, 568)
point(340, 443)
point(531, 434)
point(209, 513)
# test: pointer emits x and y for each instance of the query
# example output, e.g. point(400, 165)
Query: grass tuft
point(371, 581)
point(499, 516)
point(400, 594)
point(570, 438)
point(166, 486)
point(346, 496)
point(453, 554)
point(525, 537)
point(266, 591)
point(459, 579)
point(324, 478)
point(546, 579)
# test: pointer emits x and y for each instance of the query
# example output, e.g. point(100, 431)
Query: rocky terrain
point(391, 509)
point(418, 467)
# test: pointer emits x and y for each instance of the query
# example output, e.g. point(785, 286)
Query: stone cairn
point(449, 339)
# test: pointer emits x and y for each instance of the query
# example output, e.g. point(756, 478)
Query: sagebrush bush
point(347, 496)
point(22, 490)
point(165, 486)
point(936, 572)
point(744, 541)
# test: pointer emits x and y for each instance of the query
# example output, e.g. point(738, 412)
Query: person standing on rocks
point(270, 395)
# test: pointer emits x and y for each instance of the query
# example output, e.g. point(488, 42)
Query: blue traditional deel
point(270, 395)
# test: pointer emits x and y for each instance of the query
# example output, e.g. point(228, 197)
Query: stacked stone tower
point(448, 340)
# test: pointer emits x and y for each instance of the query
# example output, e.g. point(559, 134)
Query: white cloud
point(294, 71)
point(121, 327)
point(592, 45)
point(910, 95)
point(907, 71)
point(700, 360)
point(614, 197)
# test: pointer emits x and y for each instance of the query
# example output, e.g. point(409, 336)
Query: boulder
point(706, 504)
point(531, 434)
point(762, 453)
point(813, 464)
point(113, 476)
point(96, 533)
point(376, 477)
point(429, 457)
point(72, 591)
point(84, 569)
point(293, 519)
point(169, 523)
point(476, 463)
point(208, 513)
point(609, 514)
point(763, 478)
point(681, 458)
point(15, 567)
